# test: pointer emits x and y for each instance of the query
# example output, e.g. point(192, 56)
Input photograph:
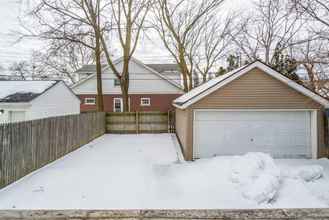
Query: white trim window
point(117, 105)
point(116, 82)
point(90, 101)
point(145, 101)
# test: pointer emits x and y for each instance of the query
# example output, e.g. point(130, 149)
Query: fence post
point(137, 122)
point(168, 118)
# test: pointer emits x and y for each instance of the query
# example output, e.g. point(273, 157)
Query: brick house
point(152, 87)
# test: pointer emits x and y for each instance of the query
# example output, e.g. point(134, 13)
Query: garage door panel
point(282, 134)
point(249, 115)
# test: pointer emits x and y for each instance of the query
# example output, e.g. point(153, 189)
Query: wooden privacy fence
point(27, 146)
point(140, 122)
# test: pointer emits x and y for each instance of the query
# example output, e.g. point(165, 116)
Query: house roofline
point(136, 61)
point(157, 73)
point(55, 84)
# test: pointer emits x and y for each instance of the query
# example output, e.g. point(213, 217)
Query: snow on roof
point(22, 91)
point(198, 90)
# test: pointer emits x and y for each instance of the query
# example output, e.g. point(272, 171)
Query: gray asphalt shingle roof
point(160, 68)
point(14, 91)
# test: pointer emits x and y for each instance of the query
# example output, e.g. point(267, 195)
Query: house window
point(90, 101)
point(145, 101)
point(116, 82)
point(117, 105)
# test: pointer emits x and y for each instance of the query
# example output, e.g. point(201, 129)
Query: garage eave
point(178, 105)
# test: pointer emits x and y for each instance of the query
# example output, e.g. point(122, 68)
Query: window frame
point(144, 99)
point(89, 98)
point(116, 82)
point(121, 104)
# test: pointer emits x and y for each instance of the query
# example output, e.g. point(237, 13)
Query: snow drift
point(307, 173)
point(257, 176)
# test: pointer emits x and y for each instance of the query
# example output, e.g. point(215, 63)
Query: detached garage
point(251, 109)
point(35, 99)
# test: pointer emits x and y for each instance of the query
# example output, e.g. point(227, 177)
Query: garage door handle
point(251, 139)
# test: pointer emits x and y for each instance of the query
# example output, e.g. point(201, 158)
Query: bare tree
point(179, 25)
point(87, 22)
point(61, 61)
point(272, 28)
point(211, 46)
point(312, 56)
point(128, 19)
point(316, 12)
point(70, 23)
point(20, 69)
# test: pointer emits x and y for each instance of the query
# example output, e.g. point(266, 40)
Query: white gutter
point(14, 105)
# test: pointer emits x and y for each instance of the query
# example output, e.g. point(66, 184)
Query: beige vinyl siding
point(256, 90)
point(184, 131)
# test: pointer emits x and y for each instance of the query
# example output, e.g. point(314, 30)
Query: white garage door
point(279, 133)
point(16, 116)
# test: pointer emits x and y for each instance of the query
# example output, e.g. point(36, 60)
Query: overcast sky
point(11, 10)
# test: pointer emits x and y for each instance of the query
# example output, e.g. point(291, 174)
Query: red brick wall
point(159, 102)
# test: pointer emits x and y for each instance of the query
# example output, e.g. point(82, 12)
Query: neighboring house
point(29, 100)
point(151, 88)
point(86, 71)
point(251, 109)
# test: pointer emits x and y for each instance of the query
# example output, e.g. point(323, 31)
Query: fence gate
point(140, 122)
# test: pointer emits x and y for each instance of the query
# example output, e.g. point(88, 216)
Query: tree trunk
point(190, 81)
point(311, 76)
point(125, 84)
point(99, 99)
point(183, 68)
point(184, 74)
point(125, 97)
point(204, 78)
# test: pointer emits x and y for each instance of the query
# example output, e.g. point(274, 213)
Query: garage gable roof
point(207, 88)
point(23, 90)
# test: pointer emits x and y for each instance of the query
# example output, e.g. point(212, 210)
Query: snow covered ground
point(145, 171)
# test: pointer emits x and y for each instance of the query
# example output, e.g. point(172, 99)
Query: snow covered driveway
point(144, 171)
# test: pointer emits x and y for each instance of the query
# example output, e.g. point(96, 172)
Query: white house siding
point(142, 81)
point(9, 108)
point(11, 115)
point(57, 101)
point(4, 117)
